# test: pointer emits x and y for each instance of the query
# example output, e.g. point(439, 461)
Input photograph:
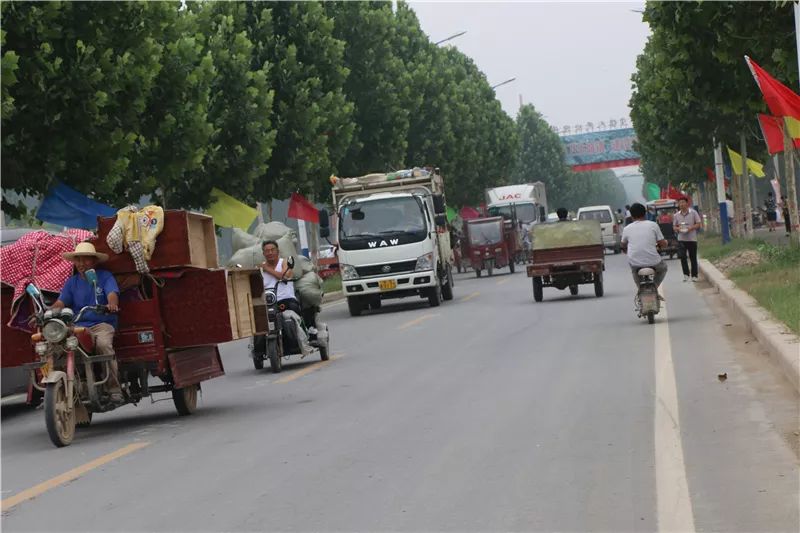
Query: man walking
point(686, 222)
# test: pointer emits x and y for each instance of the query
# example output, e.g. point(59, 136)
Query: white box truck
point(525, 202)
point(393, 240)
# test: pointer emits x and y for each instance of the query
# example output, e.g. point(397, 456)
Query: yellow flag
point(793, 127)
point(753, 166)
point(229, 212)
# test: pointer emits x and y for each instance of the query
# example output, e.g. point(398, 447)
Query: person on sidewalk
point(785, 213)
point(686, 222)
point(771, 209)
point(641, 240)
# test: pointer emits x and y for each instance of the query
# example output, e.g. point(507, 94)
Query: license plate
point(387, 285)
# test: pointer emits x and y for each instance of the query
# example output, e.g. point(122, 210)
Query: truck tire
point(447, 289)
point(435, 296)
point(573, 290)
point(354, 306)
point(598, 285)
point(537, 289)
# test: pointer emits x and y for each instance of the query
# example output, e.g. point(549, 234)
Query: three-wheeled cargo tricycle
point(565, 255)
point(490, 243)
point(662, 211)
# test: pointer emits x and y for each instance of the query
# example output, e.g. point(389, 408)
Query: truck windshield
point(383, 218)
point(484, 233)
point(525, 212)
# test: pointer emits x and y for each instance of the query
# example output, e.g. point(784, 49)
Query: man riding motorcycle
point(641, 240)
point(78, 292)
point(277, 275)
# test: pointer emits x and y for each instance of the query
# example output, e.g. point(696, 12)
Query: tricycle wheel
point(651, 318)
point(477, 273)
point(573, 290)
point(512, 267)
point(537, 289)
point(185, 399)
point(490, 268)
point(59, 416)
point(354, 306)
point(598, 285)
point(275, 351)
point(258, 362)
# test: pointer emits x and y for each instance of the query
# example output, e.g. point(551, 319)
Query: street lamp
point(503, 83)
point(459, 34)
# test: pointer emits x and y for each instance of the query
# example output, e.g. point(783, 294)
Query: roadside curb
point(332, 296)
point(781, 345)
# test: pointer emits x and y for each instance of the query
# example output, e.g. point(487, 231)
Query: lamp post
point(503, 83)
point(459, 34)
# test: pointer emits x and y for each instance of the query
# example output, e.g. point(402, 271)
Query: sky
point(572, 61)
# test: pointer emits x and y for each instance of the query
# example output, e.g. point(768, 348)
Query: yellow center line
point(470, 296)
point(504, 280)
point(307, 370)
point(417, 321)
point(66, 477)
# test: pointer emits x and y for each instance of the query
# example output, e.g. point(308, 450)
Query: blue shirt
point(77, 293)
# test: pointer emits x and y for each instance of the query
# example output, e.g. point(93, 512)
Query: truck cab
point(393, 239)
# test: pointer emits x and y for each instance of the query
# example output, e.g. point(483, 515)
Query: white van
point(612, 232)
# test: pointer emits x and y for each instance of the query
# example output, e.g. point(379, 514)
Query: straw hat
point(85, 249)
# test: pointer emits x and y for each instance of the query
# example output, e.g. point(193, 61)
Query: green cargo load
point(566, 234)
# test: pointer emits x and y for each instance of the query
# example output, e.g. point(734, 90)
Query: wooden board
point(245, 302)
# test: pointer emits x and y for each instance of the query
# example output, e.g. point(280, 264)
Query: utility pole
point(723, 205)
point(791, 181)
point(748, 205)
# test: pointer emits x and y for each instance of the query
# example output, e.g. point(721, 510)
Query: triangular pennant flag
point(229, 212)
point(753, 166)
point(781, 100)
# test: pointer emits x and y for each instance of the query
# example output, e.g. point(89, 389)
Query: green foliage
point(692, 84)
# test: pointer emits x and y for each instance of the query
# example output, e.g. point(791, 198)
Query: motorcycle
point(281, 339)
point(647, 302)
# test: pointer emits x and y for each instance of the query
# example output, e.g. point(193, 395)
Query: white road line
point(672, 487)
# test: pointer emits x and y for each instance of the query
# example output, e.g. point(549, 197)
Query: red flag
point(781, 100)
point(711, 177)
point(772, 129)
point(302, 209)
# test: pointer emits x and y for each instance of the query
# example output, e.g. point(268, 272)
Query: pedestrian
point(729, 204)
point(686, 222)
point(785, 213)
point(628, 218)
point(772, 214)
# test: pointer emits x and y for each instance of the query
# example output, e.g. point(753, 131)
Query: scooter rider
point(641, 240)
point(278, 275)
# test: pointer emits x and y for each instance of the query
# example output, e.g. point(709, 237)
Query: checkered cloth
point(36, 258)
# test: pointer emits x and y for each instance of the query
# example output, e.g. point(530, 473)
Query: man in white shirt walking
point(686, 222)
point(641, 240)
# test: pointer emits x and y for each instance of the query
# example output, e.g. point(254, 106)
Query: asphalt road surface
point(491, 412)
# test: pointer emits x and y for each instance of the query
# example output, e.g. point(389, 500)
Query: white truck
point(393, 238)
point(525, 202)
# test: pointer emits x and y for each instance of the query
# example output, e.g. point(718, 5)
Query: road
point(490, 412)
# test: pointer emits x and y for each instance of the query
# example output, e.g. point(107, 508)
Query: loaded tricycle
point(490, 243)
point(566, 255)
point(662, 211)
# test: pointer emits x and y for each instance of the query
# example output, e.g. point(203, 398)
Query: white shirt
point(729, 203)
point(284, 291)
point(642, 236)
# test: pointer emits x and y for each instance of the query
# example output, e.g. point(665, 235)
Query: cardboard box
point(187, 240)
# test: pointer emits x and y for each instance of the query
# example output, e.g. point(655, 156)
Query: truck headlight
point(348, 272)
point(424, 262)
point(55, 331)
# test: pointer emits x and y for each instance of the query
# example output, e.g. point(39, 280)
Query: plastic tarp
point(67, 207)
point(566, 234)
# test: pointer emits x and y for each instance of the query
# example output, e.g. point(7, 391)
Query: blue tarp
point(67, 207)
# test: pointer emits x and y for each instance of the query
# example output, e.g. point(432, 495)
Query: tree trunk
point(791, 189)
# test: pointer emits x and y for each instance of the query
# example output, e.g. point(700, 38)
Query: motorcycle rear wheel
point(58, 416)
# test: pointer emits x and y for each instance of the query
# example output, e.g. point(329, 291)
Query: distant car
point(552, 217)
point(327, 251)
point(611, 231)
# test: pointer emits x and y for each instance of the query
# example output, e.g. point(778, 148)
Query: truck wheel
point(573, 290)
point(185, 399)
point(58, 416)
point(354, 306)
point(435, 296)
point(537, 289)
point(447, 289)
point(598, 285)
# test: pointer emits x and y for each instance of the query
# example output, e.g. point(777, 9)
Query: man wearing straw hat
point(78, 292)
